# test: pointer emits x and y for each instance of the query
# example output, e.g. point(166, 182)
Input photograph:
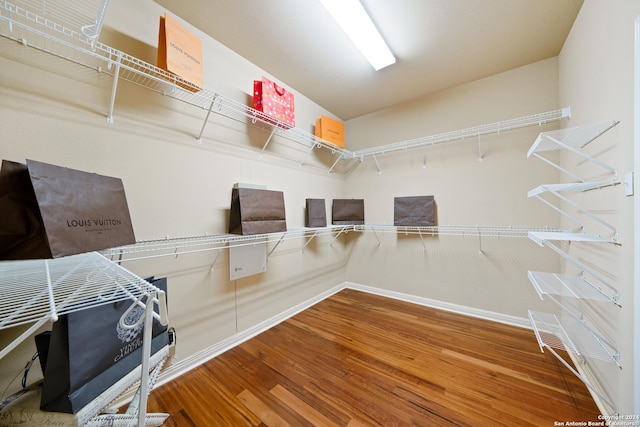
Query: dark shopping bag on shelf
point(89, 351)
point(316, 213)
point(347, 212)
point(416, 211)
point(180, 53)
point(330, 130)
point(275, 102)
point(50, 211)
point(256, 211)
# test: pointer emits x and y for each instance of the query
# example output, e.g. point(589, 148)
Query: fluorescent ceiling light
point(354, 20)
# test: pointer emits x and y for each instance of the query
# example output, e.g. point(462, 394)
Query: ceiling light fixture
point(353, 19)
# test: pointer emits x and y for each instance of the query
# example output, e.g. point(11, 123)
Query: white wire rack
point(38, 291)
point(475, 231)
point(566, 285)
point(472, 132)
point(75, 21)
point(205, 243)
point(575, 337)
point(70, 30)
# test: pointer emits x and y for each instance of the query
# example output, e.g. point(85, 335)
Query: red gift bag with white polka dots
point(274, 102)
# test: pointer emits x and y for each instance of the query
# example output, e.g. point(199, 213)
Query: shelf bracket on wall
point(114, 87)
point(340, 157)
point(307, 155)
point(375, 159)
point(342, 230)
point(264, 147)
point(276, 245)
point(480, 156)
point(315, 233)
point(215, 260)
point(206, 119)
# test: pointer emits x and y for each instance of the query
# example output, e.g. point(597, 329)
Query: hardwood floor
point(357, 359)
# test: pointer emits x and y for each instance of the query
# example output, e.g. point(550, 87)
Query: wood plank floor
point(357, 359)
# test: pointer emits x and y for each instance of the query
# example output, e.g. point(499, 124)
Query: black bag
point(256, 211)
point(50, 211)
point(89, 352)
point(347, 212)
point(416, 211)
point(316, 213)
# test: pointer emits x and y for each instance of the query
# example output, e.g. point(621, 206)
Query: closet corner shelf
point(566, 285)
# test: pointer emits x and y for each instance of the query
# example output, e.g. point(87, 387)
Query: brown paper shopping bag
point(416, 211)
point(51, 211)
point(180, 53)
point(347, 212)
point(256, 211)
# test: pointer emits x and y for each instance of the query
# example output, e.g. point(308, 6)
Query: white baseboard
point(521, 322)
point(180, 367)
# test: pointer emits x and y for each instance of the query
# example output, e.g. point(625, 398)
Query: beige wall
point(491, 192)
point(54, 111)
point(596, 78)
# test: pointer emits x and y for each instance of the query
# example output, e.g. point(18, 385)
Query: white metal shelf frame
point(573, 140)
point(81, 46)
point(475, 231)
point(566, 285)
point(38, 291)
point(551, 332)
point(175, 247)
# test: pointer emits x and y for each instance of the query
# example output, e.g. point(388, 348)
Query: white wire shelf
point(547, 239)
point(38, 291)
point(571, 186)
point(575, 337)
point(204, 243)
point(48, 288)
point(475, 231)
point(79, 21)
point(572, 140)
point(566, 285)
point(542, 237)
point(472, 132)
point(574, 137)
point(457, 230)
point(76, 40)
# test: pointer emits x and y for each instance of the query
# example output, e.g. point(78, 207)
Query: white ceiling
point(438, 44)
